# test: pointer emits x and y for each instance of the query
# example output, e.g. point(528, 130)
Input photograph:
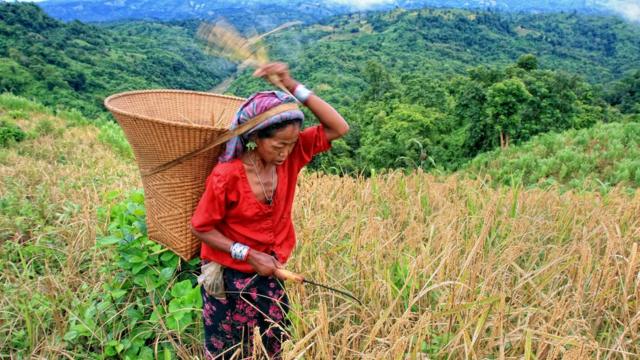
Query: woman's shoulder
point(226, 172)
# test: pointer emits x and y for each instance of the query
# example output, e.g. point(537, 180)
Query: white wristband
point(302, 93)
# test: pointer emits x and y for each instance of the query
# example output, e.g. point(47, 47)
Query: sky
point(627, 8)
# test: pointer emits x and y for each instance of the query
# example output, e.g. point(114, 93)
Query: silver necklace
point(273, 174)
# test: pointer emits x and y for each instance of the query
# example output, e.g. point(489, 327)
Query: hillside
point(425, 88)
point(53, 188)
point(596, 158)
point(261, 14)
point(434, 88)
point(446, 267)
point(444, 43)
point(77, 65)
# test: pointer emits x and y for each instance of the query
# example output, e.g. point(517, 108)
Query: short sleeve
point(212, 205)
point(312, 141)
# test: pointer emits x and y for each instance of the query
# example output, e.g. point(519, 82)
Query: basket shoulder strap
point(224, 137)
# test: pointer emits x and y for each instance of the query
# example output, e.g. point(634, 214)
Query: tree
point(469, 112)
point(400, 138)
point(13, 77)
point(528, 62)
point(505, 101)
point(379, 80)
point(625, 94)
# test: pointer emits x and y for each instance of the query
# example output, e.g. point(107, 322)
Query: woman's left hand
point(277, 73)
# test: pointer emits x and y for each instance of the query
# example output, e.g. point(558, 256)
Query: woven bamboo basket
point(176, 137)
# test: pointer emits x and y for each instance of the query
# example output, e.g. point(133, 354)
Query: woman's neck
point(252, 158)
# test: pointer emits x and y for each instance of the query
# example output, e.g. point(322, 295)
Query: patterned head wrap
point(254, 106)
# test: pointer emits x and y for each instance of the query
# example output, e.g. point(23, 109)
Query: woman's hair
point(270, 130)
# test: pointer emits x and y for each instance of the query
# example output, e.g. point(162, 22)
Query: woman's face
point(275, 149)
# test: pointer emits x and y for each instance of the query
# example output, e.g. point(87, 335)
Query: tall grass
point(447, 268)
point(51, 188)
point(456, 269)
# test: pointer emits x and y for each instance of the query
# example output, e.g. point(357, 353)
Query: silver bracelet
point(239, 251)
point(302, 93)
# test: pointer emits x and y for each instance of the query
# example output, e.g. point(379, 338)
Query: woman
point(244, 216)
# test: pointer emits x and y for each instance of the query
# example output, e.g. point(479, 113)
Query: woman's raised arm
point(334, 124)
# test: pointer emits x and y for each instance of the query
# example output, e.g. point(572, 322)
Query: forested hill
point(434, 88)
point(425, 88)
point(446, 42)
point(260, 14)
point(78, 65)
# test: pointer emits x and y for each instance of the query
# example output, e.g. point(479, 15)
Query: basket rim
point(111, 108)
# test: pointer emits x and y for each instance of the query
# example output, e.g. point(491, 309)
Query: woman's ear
point(251, 143)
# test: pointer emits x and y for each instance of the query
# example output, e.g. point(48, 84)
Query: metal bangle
point(244, 251)
point(302, 93)
point(239, 251)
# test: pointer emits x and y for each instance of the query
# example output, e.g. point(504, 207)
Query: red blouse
point(229, 205)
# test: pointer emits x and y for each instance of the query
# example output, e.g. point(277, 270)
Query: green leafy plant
point(47, 127)
point(150, 297)
point(596, 158)
point(10, 133)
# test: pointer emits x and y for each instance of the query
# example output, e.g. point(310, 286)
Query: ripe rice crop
point(445, 267)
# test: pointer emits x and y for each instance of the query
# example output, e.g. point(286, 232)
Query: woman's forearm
point(264, 264)
point(334, 123)
point(215, 239)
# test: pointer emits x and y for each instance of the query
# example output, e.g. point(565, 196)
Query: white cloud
point(363, 4)
point(627, 8)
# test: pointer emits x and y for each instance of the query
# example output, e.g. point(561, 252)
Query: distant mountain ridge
point(260, 13)
point(278, 11)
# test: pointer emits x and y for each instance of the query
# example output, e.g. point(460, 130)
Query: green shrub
point(10, 102)
point(47, 127)
point(72, 117)
point(111, 134)
point(17, 114)
point(591, 159)
point(10, 133)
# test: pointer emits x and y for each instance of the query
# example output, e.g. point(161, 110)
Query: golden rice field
point(503, 273)
point(447, 268)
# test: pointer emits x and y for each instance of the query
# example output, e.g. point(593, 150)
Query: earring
point(251, 145)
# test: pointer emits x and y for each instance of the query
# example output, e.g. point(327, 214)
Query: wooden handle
point(284, 274)
point(274, 79)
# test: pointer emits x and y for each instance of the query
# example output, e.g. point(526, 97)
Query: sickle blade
point(334, 290)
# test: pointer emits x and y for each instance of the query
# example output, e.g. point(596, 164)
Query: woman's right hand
point(263, 264)
point(277, 73)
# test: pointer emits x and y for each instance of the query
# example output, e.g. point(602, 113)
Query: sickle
point(284, 274)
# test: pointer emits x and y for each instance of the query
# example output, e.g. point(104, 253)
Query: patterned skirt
point(252, 302)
